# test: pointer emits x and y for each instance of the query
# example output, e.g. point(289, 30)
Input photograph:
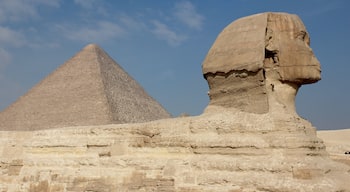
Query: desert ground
point(337, 143)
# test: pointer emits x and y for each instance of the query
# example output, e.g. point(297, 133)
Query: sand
point(337, 143)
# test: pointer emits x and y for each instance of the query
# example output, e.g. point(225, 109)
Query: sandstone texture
point(249, 138)
point(226, 151)
point(257, 55)
point(89, 89)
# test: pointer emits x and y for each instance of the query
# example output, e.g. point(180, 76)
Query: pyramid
point(89, 89)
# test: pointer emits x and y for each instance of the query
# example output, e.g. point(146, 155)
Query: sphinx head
point(259, 62)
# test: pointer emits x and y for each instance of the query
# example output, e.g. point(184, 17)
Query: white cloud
point(51, 3)
point(96, 5)
point(131, 23)
point(163, 32)
point(187, 14)
point(17, 10)
point(9, 37)
point(101, 31)
point(86, 4)
point(5, 58)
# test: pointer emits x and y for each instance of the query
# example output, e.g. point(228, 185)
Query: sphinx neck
point(281, 96)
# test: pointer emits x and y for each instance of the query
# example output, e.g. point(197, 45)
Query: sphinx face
point(288, 46)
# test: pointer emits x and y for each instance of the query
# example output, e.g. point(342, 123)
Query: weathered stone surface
point(89, 89)
point(239, 148)
point(240, 46)
point(226, 151)
point(288, 50)
point(258, 55)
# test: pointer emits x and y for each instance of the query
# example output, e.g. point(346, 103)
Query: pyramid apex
point(91, 46)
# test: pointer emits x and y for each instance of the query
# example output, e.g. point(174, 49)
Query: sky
point(162, 44)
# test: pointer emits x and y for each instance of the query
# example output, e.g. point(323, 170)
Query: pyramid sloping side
point(128, 101)
point(72, 95)
point(89, 89)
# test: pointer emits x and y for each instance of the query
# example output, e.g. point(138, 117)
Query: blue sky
point(162, 43)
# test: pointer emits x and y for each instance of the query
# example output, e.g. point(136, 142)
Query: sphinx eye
point(301, 35)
